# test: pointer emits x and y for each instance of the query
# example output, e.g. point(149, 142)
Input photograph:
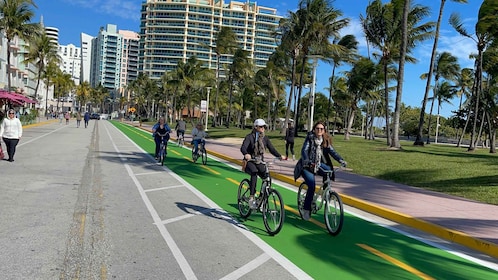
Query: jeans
point(309, 179)
point(196, 144)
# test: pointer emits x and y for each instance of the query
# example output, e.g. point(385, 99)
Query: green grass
point(442, 168)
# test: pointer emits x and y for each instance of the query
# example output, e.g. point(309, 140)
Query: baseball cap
point(259, 122)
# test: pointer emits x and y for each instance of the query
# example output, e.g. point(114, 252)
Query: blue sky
point(73, 17)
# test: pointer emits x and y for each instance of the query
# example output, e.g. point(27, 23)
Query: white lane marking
point(177, 253)
point(250, 266)
point(164, 188)
point(274, 254)
point(186, 216)
point(22, 143)
point(149, 173)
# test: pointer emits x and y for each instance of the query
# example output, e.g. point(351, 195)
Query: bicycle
point(201, 152)
point(333, 213)
point(269, 202)
point(181, 139)
point(162, 149)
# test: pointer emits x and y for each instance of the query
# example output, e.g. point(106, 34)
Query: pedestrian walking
point(60, 116)
point(78, 119)
point(289, 141)
point(86, 118)
point(67, 116)
point(11, 132)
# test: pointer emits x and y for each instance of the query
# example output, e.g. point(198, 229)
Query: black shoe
point(11, 160)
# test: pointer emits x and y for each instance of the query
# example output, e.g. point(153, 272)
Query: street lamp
point(207, 108)
point(312, 96)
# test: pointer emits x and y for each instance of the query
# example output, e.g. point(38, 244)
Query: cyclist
point(158, 130)
point(180, 128)
point(315, 153)
point(253, 147)
point(198, 135)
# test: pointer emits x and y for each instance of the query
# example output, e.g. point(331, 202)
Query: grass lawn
point(437, 167)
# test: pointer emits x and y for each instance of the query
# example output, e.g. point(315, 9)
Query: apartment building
point(173, 30)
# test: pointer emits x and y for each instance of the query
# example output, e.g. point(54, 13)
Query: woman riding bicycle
point(315, 153)
point(161, 131)
point(253, 147)
point(198, 135)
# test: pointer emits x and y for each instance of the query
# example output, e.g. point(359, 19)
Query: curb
point(483, 246)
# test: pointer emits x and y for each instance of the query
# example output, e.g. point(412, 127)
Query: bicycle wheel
point(273, 212)
point(334, 212)
point(301, 195)
point(204, 156)
point(194, 155)
point(162, 154)
point(243, 198)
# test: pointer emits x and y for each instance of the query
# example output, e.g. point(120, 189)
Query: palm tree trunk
point(430, 120)
point(291, 95)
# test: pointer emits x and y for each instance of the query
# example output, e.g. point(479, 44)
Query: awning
point(15, 97)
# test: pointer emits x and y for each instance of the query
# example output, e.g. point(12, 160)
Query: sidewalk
point(465, 222)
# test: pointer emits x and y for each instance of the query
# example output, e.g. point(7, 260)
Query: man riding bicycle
point(180, 128)
point(160, 132)
point(198, 135)
point(253, 147)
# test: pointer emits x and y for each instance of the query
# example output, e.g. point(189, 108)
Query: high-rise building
point(173, 30)
point(129, 61)
point(106, 59)
point(71, 61)
point(86, 57)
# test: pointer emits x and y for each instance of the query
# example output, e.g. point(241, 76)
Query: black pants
point(287, 146)
point(254, 170)
point(11, 147)
point(86, 123)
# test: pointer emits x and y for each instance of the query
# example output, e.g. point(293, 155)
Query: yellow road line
point(395, 262)
point(211, 170)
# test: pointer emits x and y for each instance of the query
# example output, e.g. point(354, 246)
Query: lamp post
point(207, 108)
point(312, 96)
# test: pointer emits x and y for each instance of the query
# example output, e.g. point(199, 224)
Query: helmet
point(259, 122)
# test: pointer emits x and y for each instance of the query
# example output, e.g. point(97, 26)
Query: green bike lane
point(363, 250)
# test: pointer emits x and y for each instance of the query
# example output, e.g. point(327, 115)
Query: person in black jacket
point(289, 141)
point(253, 147)
point(315, 153)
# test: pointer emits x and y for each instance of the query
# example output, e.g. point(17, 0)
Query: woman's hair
point(327, 140)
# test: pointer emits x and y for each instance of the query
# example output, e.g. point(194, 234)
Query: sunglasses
point(261, 126)
point(319, 128)
point(11, 113)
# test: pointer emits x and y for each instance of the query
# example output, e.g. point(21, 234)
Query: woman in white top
point(11, 133)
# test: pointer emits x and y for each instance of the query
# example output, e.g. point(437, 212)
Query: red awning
point(15, 97)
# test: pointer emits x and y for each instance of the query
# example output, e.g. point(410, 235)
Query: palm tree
point(383, 27)
point(320, 23)
point(446, 66)
point(342, 49)
point(83, 94)
point(240, 69)
point(41, 50)
point(226, 43)
point(63, 84)
point(15, 22)
point(418, 139)
point(485, 33)
point(48, 75)
point(443, 93)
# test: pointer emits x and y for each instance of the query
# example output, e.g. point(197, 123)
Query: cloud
point(127, 9)
point(459, 46)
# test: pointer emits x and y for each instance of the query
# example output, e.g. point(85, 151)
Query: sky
point(73, 17)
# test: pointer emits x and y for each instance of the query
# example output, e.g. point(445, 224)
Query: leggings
point(11, 146)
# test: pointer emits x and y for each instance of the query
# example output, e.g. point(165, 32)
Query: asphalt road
point(89, 203)
point(75, 205)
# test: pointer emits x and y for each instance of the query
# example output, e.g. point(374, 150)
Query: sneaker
point(293, 157)
point(253, 204)
point(306, 215)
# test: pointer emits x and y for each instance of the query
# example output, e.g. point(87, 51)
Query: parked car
point(104, 116)
point(95, 116)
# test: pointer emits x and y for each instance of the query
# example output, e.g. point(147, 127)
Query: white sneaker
point(306, 214)
point(252, 203)
point(293, 157)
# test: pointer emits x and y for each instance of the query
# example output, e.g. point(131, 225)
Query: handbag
point(244, 164)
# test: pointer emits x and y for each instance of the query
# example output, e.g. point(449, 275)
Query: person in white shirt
point(11, 133)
